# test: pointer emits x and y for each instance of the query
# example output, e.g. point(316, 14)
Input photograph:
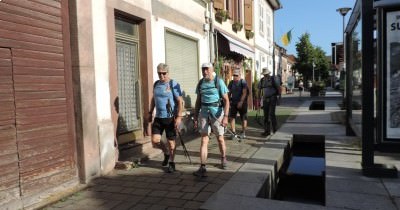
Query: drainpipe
point(208, 17)
point(211, 32)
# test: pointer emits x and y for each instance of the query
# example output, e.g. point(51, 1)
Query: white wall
point(263, 44)
point(101, 65)
point(159, 26)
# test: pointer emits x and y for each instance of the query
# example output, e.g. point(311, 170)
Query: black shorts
point(233, 110)
point(167, 124)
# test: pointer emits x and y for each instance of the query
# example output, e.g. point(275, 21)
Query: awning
point(238, 47)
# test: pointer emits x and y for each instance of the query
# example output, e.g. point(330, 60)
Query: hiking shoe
point(201, 172)
point(224, 163)
point(266, 133)
point(243, 135)
point(232, 136)
point(171, 167)
point(165, 161)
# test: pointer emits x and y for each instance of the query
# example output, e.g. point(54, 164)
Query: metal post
point(313, 65)
point(343, 11)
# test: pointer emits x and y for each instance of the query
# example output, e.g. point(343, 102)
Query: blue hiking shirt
point(163, 93)
point(209, 94)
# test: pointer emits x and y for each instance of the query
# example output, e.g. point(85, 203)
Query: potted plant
point(317, 89)
point(221, 15)
point(249, 34)
point(237, 26)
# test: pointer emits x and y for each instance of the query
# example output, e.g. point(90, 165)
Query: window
point(261, 19)
point(269, 26)
point(238, 10)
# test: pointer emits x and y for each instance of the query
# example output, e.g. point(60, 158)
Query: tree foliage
point(307, 54)
point(321, 63)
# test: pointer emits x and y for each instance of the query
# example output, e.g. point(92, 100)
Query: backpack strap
point(199, 85)
point(230, 85)
point(216, 81)
point(171, 85)
point(274, 83)
point(247, 87)
point(155, 84)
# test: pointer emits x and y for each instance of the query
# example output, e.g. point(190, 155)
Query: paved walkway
point(149, 187)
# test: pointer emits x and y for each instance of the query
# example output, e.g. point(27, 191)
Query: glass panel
point(128, 87)
point(126, 28)
point(392, 75)
point(356, 74)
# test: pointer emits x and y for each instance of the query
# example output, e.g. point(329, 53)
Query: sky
point(317, 17)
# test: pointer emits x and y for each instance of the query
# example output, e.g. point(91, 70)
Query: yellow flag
point(286, 38)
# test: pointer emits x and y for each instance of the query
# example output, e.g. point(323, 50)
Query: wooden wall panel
point(9, 173)
point(33, 92)
point(27, 21)
point(17, 7)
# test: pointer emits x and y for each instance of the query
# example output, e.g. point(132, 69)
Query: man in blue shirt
point(167, 99)
point(238, 98)
point(210, 112)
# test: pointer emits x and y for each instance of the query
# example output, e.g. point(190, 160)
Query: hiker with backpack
point(167, 99)
point(269, 88)
point(238, 93)
point(211, 110)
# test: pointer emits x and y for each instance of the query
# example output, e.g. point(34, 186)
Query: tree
point(321, 63)
point(305, 55)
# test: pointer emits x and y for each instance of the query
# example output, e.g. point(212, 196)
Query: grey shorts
point(216, 127)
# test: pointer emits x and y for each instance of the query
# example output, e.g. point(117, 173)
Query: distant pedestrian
point(167, 99)
point(290, 84)
point(301, 87)
point(211, 110)
point(238, 93)
point(269, 88)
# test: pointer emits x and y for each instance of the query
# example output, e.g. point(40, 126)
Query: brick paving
point(150, 187)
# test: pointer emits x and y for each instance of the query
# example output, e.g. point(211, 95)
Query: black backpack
point(274, 85)
point(242, 86)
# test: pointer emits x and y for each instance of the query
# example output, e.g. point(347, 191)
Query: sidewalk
point(149, 187)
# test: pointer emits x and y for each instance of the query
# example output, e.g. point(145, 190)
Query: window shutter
point(219, 4)
point(230, 8)
point(248, 15)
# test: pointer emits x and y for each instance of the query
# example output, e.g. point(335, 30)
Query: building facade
point(264, 34)
point(77, 77)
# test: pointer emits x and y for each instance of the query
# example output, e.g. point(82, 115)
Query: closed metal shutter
point(182, 57)
point(33, 30)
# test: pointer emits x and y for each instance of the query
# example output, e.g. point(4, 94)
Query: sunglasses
point(161, 73)
point(235, 75)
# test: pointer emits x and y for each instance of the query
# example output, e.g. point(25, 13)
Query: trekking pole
point(169, 109)
point(235, 136)
point(185, 152)
point(258, 114)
